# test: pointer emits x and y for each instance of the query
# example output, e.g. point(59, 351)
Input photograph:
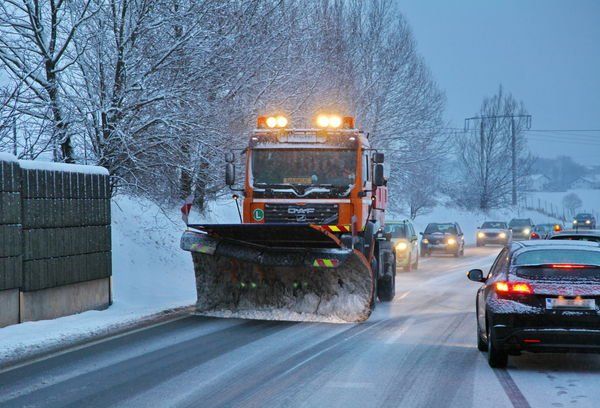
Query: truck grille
point(309, 213)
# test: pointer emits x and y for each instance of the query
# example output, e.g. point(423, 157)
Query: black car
point(539, 296)
point(443, 237)
point(578, 235)
point(584, 220)
point(521, 228)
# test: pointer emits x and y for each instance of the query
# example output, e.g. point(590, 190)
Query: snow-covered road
point(417, 351)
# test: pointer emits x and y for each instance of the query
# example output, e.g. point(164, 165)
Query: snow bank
point(71, 168)
point(590, 198)
point(7, 157)
point(150, 274)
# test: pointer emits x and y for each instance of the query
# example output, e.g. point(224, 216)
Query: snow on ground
point(590, 199)
point(150, 274)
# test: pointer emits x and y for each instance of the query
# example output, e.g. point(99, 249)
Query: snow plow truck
point(310, 245)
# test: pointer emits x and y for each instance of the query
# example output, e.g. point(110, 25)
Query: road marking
point(402, 296)
point(88, 344)
point(309, 359)
point(400, 331)
point(511, 389)
point(350, 385)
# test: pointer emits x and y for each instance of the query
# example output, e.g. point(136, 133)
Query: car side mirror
point(476, 275)
point(229, 174)
point(378, 178)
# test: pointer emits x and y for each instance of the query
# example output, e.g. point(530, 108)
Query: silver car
point(493, 232)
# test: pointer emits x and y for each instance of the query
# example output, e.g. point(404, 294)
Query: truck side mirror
point(378, 178)
point(378, 157)
point(229, 174)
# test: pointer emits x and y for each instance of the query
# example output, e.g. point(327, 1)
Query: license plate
point(563, 303)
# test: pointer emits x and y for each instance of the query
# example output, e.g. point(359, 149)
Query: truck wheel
point(496, 358)
point(386, 287)
point(375, 283)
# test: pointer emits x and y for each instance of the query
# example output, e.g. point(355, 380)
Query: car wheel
point(496, 358)
point(481, 344)
point(462, 251)
point(416, 265)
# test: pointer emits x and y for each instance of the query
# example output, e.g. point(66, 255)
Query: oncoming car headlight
point(451, 241)
point(401, 246)
point(588, 221)
point(526, 231)
point(425, 241)
point(481, 235)
point(503, 235)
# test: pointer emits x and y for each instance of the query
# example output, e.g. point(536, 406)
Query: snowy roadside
point(152, 279)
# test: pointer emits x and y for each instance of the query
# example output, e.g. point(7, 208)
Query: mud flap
point(243, 279)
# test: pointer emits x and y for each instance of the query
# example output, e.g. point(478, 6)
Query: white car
point(493, 232)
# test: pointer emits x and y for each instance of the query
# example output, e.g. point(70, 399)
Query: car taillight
point(534, 235)
point(521, 288)
point(568, 266)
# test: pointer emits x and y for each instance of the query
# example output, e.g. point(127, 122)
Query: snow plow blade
point(278, 271)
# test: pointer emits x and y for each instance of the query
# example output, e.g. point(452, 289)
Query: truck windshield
point(281, 168)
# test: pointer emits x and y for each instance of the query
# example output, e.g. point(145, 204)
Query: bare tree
point(572, 202)
point(485, 154)
point(35, 46)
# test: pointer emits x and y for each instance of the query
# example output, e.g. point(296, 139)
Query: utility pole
point(513, 143)
point(513, 147)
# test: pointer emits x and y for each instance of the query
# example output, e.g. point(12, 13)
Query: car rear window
point(557, 256)
point(589, 274)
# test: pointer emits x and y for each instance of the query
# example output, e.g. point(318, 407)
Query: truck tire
point(375, 283)
point(386, 287)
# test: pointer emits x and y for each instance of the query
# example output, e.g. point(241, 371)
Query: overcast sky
point(545, 52)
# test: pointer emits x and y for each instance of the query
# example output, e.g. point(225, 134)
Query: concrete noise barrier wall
point(55, 248)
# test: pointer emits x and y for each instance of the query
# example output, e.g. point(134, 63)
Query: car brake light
point(568, 266)
point(532, 341)
point(534, 236)
point(514, 287)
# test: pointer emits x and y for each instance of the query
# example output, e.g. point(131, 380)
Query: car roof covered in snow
point(524, 246)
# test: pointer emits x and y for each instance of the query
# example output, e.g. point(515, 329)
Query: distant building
point(538, 182)
point(587, 182)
